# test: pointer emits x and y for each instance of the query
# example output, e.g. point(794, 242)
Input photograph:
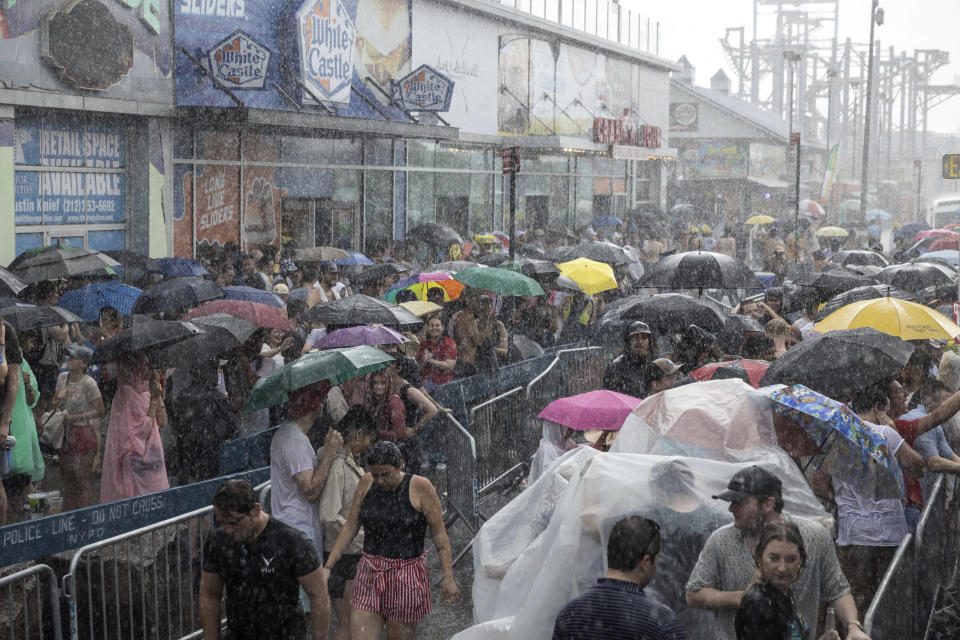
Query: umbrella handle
point(823, 453)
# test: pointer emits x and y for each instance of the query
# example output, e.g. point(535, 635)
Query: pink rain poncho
point(133, 457)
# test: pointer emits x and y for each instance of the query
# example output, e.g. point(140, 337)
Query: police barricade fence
point(30, 604)
point(499, 427)
point(892, 613)
point(141, 583)
point(930, 548)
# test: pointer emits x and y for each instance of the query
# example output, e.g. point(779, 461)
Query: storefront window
point(378, 206)
point(420, 207)
point(420, 153)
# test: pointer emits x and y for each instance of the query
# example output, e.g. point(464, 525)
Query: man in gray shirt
point(726, 564)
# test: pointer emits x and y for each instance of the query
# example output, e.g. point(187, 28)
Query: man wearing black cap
point(726, 564)
point(626, 374)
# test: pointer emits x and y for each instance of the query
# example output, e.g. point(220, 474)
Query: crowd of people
point(347, 461)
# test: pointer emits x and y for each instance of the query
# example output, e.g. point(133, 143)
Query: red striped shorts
point(396, 588)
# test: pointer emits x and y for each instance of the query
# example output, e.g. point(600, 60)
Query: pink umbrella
point(809, 207)
point(603, 410)
point(929, 233)
point(355, 336)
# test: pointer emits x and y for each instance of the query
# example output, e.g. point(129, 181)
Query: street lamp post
point(876, 18)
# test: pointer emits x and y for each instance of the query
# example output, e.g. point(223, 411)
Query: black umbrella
point(176, 294)
point(840, 362)
point(378, 272)
point(859, 257)
point(222, 332)
point(533, 267)
point(10, 285)
point(29, 318)
point(360, 310)
point(493, 259)
point(151, 338)
point(671, 311)
point(860, 294)
point(833, 282)
point(700, 270)
point(135, 266)
point(604, 252)
point(439, 236)
point(59, 261)
point(914, 276)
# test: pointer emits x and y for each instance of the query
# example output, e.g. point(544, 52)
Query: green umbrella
point(334, 365)
point(502, 281)
point(850, 205)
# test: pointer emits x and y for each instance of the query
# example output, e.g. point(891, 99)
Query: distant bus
point(945, 210)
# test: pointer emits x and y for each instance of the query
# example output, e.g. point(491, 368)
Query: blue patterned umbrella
point(87, 301)
point(852, 452)
point(252, 294)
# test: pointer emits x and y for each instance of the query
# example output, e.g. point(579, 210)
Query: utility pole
point(876, 17)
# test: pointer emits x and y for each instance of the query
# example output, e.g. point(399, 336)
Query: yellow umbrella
point(591, 276)
point(905, 320)
point(421, 307)
point(487, 238)
point(761, 219)
point(831, 232)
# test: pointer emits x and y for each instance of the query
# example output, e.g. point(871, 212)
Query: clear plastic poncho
point(548, 545)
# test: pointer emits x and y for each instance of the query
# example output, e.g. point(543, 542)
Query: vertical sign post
point(795, 200)
point(511, 164)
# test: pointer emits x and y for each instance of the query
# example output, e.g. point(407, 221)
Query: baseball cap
point(752, 481)
point(666, 366)
point(281, 289)
point(638, 327)
point(80, 352)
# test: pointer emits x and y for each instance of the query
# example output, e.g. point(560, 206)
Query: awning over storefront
point(300, 120)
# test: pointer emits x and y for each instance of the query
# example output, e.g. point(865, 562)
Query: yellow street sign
point(951, 166)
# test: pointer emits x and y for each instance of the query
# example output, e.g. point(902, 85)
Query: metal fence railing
point(499, 428)
point(30, 604)
point(582, 369)
point(139, 584)
point(923, 565)
point(887, 617)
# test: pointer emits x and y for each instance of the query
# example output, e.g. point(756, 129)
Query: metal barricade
point(140, 584)
point(887, 616)
point(462, 487)
point(23, 620)
point(582, 369)
point(498, 426)
point(930, 549)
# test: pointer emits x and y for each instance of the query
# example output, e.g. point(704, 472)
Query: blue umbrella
point(87, 301)
point(878, 214)
point(946, 255)
point(606, 221)
point(179, 268)
point(251, 294)
point(851, 451)
point(356, 259)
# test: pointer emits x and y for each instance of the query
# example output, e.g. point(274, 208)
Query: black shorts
point(46, 375)
point(344, 570)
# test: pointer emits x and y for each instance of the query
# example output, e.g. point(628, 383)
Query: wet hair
point(110, 313)
point(630, 540)
point(777, 328)
point(356, 419)
point(871, 396)
point(235, 496)
point(384, 453)
point(295, 306)
point(932, 387)
point(406, 295)
point(264, 262)
point(673, 477)
point(45, 288)
point(783, 531)
point(921, 360)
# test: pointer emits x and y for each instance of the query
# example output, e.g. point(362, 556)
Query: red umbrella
point(930, 233)
point(750, 371)
point(944, 242)
point(259, 314)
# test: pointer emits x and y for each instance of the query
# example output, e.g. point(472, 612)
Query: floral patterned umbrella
point(852, 452)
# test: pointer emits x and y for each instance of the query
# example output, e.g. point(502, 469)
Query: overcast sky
point(693, 28)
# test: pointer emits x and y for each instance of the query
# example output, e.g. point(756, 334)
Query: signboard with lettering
point(424, 89)
point(326, 34)
point(684, 116)
point(33, 539)
point(240, 62)
point(626, 130)
point(951, 166)
point(715, 159)
point(61, 197)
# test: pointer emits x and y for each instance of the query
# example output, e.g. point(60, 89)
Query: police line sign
point(951, 166)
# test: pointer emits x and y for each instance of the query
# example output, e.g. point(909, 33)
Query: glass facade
point(254, 187)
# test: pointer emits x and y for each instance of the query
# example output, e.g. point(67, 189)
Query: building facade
point(171, 128)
